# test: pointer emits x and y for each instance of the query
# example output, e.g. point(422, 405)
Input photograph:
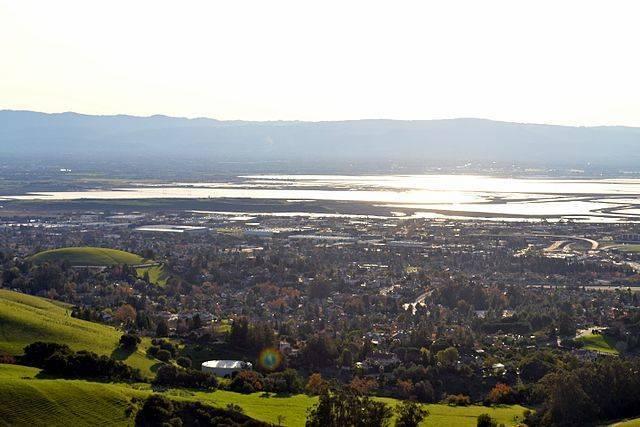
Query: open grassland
point(25, 319)
point(157, 274)
point(25, 400)
point(88, 256)
point(599, 342)
point(627, 423)
point(629, 248)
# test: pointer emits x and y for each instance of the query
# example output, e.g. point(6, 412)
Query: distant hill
point(88, 256)
point(103, 257)
point(71, 139)
point(25, 319)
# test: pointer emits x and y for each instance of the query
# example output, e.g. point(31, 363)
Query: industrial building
point(185, 229)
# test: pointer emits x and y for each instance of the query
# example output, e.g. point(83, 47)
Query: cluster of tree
point(252, 337)
point(605, 389)
point(162, 350)
point(320, 351)
point(285, 382)
point(60, 360)
point(345, 407)
point(86, 313)
point(172, 376)
point(157, 410)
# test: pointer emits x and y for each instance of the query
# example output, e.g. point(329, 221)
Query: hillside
point(25, 400)
point(73, 139)
point(25, 319)
point(86, 255)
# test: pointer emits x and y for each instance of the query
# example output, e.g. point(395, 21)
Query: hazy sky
point(560, 61)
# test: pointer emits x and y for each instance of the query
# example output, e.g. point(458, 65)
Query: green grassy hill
point(86, 255)
point(102, 257)
point(26, 400)
point(25, 319)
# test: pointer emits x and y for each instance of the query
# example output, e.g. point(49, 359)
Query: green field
point(86, 255)
point(25, 319)
point(629, 248)
point(627, 423)
point(157, 274)
point(599, 342)
point(25, 400)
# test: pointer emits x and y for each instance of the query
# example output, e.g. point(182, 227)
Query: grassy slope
point(157, 274)
point(25, 319)
point(628, 423)
point(599, 342)
point(28, 401)
point(87, 255)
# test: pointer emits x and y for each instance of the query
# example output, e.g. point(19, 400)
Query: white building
point(223, 368)
point(183, 229)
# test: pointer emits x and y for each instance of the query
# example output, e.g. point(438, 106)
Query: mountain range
point(76, 137)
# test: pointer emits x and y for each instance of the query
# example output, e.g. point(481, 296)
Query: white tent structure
point(223, 368)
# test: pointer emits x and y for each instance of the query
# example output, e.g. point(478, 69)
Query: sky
point(562, 61)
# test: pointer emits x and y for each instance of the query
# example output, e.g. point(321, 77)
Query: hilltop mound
point(87, 255)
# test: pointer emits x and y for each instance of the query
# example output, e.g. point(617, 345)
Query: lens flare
point(270, 359)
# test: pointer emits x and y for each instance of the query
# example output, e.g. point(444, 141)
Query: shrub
point(171, 376)
point(484, 420)
point(458, 400)
point(247, 382)
point(163, 355)
point(35, 354)
point(288, 381)
point(85, 364)
point(160, 411)
point(185, 362)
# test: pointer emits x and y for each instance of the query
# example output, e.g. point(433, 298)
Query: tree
point(566, 325)
point(319, 289)
point(163, 355)
point(126, 314)
point(410, 414)
point(169, 375)
point(320, 351)
point(424, 392)
point(566, 401)
point(501, 394)
point(185, 362)
point(247, 382)
point(129, 342)
point(485, 420)
point(162, 330)
point(346, 408)
point(363, 385)
point(156, 411)
point(316, 385)
point(447, 357)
